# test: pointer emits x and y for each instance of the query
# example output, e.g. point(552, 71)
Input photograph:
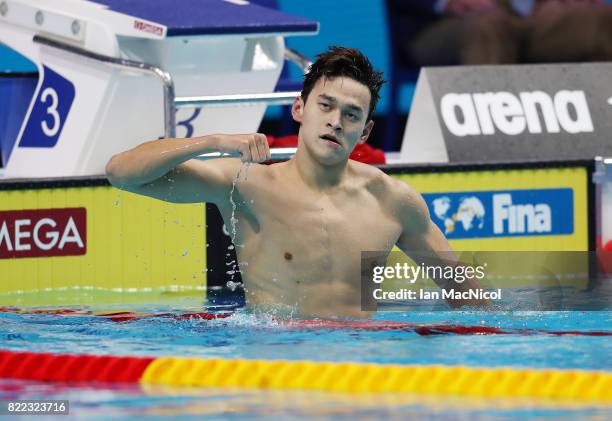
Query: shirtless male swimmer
point(302, 223)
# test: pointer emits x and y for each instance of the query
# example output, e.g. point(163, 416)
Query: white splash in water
point(233, 285)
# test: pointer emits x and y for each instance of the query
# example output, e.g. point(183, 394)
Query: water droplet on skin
point(233, 218)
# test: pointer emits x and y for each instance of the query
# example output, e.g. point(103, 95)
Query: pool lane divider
point(505, 382)
point(72, 368)
point(118, 316)
point(423, 329)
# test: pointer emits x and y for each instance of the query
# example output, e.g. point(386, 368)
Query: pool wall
point(127, 243)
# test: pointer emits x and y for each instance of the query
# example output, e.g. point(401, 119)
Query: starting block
point(115, 73)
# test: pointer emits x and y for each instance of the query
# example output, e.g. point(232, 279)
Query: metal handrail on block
point(171, 103)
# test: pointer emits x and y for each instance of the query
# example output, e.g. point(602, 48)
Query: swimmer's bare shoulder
point(397, 196)
point(166, 169)
point(368, 177)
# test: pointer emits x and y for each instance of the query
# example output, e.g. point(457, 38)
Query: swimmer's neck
point(316, 175)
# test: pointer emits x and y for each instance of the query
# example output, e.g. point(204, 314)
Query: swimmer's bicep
point(419, 232)
point(193, 181)
point(411, 209)
point(430, 241)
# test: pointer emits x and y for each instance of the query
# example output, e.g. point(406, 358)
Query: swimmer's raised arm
point(422, 240)
point(165, 169)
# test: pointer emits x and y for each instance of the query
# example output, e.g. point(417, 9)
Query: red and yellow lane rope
point(575, 385)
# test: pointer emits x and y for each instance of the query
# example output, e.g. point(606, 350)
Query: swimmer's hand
point(252, 147)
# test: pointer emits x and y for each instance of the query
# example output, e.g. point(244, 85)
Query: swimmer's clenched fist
point(251, 147)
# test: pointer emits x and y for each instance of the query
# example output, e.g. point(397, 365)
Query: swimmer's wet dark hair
point(347, 62)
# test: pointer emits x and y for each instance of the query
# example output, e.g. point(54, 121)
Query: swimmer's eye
point(353, 117)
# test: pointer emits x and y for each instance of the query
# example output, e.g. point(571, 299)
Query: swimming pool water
point(530, 339)
point(133, 402)
point(248, 336)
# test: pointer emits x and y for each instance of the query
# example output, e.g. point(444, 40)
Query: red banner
point(43, 233)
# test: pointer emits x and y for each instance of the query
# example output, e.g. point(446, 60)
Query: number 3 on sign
point(50, 111)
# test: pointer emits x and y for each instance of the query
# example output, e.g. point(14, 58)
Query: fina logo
point(529, 218)
point(483, 113)
point(481, 214)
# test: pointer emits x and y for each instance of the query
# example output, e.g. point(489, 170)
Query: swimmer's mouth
point(331, 139)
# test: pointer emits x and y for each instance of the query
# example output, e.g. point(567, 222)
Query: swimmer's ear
point(366, 132)
point(297, 109)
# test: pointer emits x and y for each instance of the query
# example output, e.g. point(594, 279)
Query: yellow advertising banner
point(510, 218)
point(541, 209)
point(99, 238)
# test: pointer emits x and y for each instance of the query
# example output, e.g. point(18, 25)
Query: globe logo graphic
point(470, 213)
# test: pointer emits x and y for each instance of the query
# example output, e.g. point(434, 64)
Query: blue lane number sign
point(50, 111)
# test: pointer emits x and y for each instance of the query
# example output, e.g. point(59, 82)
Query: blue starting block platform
point(211, 17)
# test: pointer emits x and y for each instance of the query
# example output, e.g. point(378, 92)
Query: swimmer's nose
point(334, 121)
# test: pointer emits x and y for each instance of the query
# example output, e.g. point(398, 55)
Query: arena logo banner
point(501, 113)
point(43, 233)
point(503, 213)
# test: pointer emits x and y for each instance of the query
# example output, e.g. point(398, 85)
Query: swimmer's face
point(334, 118)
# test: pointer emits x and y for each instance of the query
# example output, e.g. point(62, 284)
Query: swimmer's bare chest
point(292, 236)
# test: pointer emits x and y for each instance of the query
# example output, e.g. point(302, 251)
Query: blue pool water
point(528, 344)
point(249, 336)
